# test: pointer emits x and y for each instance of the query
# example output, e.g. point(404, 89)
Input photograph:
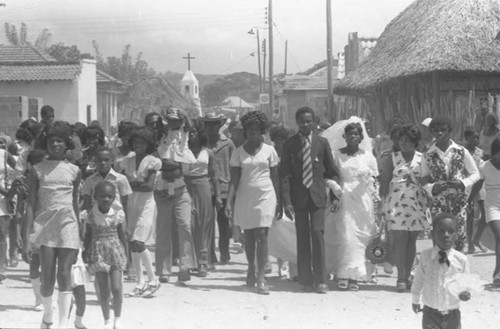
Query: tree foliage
point(67, 54)
point(145, 89)
point(11, 34)
point(242, 84)
point(43, 39)
point(20, 37)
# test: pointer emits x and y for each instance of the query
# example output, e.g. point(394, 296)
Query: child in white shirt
point(437, 266)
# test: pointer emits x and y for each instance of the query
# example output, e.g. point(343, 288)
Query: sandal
point(46, 325)
point(137, 292)
point(80, 327)
point(262, 288)
point(401, 285)
point(353, 285)
point(343, 284)
point(496, 280)
point(151, 289)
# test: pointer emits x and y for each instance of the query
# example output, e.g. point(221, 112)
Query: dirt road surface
point(222, 301)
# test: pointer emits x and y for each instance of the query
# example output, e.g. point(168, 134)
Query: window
point(186, 89)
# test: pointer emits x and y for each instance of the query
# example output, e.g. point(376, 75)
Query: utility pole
point(286, 55)
point(271, 58)
point(329, 59)
point(264, 55)
point(258, 61)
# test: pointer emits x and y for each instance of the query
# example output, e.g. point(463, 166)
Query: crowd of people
point(80, 204)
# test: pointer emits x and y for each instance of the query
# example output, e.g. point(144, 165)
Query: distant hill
point(215, 88)
point(242, 84)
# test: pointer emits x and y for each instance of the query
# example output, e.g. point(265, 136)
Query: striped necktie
point(307, 177)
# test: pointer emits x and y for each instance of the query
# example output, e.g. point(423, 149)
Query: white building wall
point(61, 95)
point(87, 91)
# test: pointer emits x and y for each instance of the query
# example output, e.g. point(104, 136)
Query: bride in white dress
point(350, 228)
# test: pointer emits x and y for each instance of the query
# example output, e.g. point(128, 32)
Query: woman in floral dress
point(449, 172)
point(404, 201)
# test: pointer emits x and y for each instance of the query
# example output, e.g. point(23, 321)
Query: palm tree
point(21, 38)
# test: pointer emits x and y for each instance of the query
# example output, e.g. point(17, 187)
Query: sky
point(213, 31)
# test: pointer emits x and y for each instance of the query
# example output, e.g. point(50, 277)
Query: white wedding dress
point(350, 228)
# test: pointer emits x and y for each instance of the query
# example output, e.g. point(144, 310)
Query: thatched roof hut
point(429, 55)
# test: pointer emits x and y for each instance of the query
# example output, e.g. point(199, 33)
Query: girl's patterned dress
point(406, 202)
point(106, 249)
point(450, 200)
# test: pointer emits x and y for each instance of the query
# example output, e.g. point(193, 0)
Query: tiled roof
point(305, 83)
point(23, 54)
point(316, 81)
point(39, 72)
point(104, 77)
point(235, 101)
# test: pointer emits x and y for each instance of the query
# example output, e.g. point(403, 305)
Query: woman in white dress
point(352, 227)
point(490, 174)
point(253, 194)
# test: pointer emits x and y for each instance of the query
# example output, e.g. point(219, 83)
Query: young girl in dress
point(53, 212)
point(105, 248)
point(140, 169)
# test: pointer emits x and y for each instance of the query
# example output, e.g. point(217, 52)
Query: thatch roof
point(429, 36)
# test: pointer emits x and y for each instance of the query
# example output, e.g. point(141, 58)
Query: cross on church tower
point(189, 58)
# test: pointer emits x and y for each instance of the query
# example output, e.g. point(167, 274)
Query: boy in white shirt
point(437, 266)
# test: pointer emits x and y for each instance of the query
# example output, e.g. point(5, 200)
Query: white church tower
point(190, 86)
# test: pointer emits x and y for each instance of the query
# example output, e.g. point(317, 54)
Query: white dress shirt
point(446, 156)
point(431, 278)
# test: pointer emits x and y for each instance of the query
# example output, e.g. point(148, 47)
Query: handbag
point(378, 250)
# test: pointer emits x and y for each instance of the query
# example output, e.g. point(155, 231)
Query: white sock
point(47, 309)
point(137, 263)
point(117, 321)
point(79, 321)
point(64, 305)
point(147, 261)
point(35, 283)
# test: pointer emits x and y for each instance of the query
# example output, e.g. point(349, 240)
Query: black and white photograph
point(194, 164)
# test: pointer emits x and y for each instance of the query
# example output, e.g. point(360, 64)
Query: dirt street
point(222, 301)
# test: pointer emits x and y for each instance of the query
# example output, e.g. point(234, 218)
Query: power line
point(289, 50)
point(235, 64)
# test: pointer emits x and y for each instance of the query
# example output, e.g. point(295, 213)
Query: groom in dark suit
point(306, 162)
